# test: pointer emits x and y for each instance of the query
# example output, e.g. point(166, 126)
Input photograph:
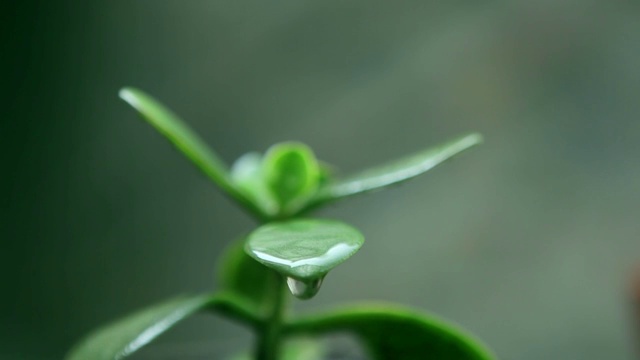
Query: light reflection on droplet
point(304, 289)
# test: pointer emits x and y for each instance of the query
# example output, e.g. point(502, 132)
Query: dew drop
point(304, 289)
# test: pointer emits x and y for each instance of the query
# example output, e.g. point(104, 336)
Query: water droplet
point(304, 289)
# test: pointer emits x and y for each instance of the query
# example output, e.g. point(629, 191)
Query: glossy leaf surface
point(291, 173)
point(122, 338)
point(187, 141)
point(397, 171)
point(391, 332)
point(127, 335)
point(303, 249)
point(240, 274)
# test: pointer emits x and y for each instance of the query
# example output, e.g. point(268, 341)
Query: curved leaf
point(391, 332)
point(187, 141)
point(291, 173)
point(125, 336)
point(303, 249)
point(395, 172)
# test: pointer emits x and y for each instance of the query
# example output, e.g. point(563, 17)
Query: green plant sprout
point(288, 250)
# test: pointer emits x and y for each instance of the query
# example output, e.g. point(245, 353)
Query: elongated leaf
point(187, 141)
point(124, 337)
point(395, 172)
point(240, 274)
point(391, 332)
point(303, 249)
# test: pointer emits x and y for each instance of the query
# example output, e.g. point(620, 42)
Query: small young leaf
point(240, 274)
point(187, 141)
point(291, 173)
point(303, 249)
point(395, 172)
point(391, 332)
point(122, 338)
point(247, 175)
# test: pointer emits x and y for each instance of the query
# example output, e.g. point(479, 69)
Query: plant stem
point(269, 341)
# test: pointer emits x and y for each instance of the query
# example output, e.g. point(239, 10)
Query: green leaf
point(122, 338)
point(291, 173)
point(303, 249)
point(394, 172)
point(125, 336)
point(240, 274)
point(247, 175)
point(187, 141)
point(391, 332)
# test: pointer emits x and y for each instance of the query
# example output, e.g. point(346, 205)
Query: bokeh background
point(527, 241)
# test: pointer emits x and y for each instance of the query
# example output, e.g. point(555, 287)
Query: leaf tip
point(473, 139)
point(128, 94)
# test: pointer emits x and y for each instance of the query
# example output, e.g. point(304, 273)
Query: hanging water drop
point(304, 289)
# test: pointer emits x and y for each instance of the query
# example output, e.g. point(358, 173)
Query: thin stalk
point(270, 335)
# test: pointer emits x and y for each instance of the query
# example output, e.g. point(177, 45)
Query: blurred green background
point(527, 241)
